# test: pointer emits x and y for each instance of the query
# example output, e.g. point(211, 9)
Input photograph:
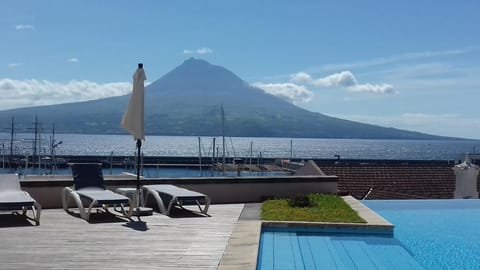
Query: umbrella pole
point(139, 146)
point(140, 210)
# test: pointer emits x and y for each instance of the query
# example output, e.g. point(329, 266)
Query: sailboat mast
point(223, 140)
point(213, 154)
point(52, 141)
point(251, 152)
point(200, 155)
point(11, 140)
point(35, 139)
point(291, 149)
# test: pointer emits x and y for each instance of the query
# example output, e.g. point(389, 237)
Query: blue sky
point(406, 64)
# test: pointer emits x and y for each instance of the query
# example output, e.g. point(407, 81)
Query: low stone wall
point(47, 189)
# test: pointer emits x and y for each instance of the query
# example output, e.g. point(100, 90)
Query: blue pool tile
point(265, 255)
point(295, 251)
point(321, 250)
point(284, 257)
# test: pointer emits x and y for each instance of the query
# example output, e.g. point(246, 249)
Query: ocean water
point(81, 144)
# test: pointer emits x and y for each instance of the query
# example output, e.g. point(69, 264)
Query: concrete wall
point(47, 189)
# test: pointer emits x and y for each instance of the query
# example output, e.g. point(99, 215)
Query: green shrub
point(300, 201)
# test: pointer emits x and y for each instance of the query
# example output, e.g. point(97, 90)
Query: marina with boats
point(35, 155)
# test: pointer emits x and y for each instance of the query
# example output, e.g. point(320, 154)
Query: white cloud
point(289, 91)
point(373, 88)
point(344, 79)
point(14, 65)
point(24, 27)
point(73, 60)
point(16, 93)
point(301, 77)
point(203, 50)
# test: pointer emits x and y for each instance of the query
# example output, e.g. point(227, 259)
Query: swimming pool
point(300, 249)
point(429, 234)
point(441, 234)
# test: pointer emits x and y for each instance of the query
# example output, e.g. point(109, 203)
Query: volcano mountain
point(187, 101)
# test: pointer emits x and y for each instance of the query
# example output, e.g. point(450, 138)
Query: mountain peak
point(196, 73)
point(195, 61)
point(200, 65)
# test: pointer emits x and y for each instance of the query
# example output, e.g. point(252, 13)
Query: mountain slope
point(187, 100)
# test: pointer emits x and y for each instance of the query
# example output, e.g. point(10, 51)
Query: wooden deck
point(63, 241)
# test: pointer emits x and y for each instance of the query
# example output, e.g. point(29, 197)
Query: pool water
point(282, 249)
point(441, 234)
point(429, 234)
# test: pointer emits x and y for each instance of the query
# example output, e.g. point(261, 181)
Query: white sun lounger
point(168, 196)
point(13, 198)
point(89, 186)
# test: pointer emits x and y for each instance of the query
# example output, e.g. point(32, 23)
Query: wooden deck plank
point(63, 241)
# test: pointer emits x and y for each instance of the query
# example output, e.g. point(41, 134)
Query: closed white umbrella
point(133, 119)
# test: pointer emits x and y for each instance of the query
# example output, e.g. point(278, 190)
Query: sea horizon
point(298, 148)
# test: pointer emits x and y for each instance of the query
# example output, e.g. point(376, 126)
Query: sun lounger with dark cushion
point(12, 197)
point(168, 196)
point(89, 187)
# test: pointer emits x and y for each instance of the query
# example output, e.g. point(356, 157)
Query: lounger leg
point(69, 193)
point(90, 207)
point(130, 209)
point(65, 197)
point(37, 210)
point(205, 207)
point(122, 209)
point(157, 198)
point(172, 203)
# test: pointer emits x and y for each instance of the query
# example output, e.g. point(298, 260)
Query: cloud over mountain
point(344, 79)
point(25, 93)
point(289, 91)
point(373, 88)
point(296, 90)
point(14, 65)
point(200, 51)
point(21, 27)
